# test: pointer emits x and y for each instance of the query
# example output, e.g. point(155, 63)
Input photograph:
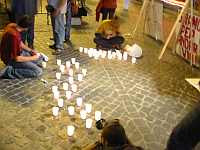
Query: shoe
point(57, 52)
point(52, 46)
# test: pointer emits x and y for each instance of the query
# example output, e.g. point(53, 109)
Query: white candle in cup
point(80, 77)
point(85, 50)
point(88, 108)
point(55, 111)
point(81, 49)
point(62, 68)
point(125, 56)
point(88, 123)
point(58, 62)
point(84, 71)
point(71, 72)
point(71, 110)
point(133, 60)
point(68, 94)
point(97, 115)
point(73, 60)
point(44, 64)
point(56, 94)
point(83, 114)
point(60, 102)
point(77, 65)
point(71, 80)
point(65, 86)
point(70, 130)
point(68, 64)
point(79, 101)
point(74, 87)
point(58, 75)
point(54, 88)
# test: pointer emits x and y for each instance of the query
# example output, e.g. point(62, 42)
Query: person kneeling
point(20, 60)
point(108, 35)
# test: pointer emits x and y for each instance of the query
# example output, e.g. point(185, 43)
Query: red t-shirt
point(10, 43)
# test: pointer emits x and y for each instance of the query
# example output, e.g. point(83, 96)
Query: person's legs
point(68, 21)
point(104, 12)
point(186, 134)
point(111, 13)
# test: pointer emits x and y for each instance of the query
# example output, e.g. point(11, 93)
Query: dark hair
point(114, 134)
point(24, 21)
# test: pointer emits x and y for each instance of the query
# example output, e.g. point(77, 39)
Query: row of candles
point(70, 87)
point(92, 52)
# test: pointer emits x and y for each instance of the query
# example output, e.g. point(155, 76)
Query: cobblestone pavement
point(149, 97)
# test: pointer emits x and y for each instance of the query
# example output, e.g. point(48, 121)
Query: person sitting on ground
point(20, 60)
point(108, 36)
point(113, 137)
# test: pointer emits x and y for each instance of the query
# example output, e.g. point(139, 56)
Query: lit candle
point(56, 94)
point(85, 50)
point(133, 60)
point(77, 65)
point(60, 102)
point(83, 114)
point(79, 101)
point(73, 60)
point(80, 77)
point(68, 94)
point(58, 62)
point(65, 86)
point(58, 75)
point(70, 130)
point(62, 68)
point(84, 71)
point(71, 110)
point(71, 72)
point(81, 49)
point(125, 56)
point(88, 123)
point(68, 64)
point(97, 115)
point(74, 87)
point(54, 88)
point(88, 108)
point(71, 80)
point(44, 64)
point(55, 111)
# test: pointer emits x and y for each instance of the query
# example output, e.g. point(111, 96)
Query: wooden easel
point(173, 29)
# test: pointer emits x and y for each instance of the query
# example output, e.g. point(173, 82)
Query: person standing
point(25, 7)
point(58, 23)
point(107, 8)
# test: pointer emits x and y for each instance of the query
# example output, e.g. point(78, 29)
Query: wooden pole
point(173, 29)
point(140, 16)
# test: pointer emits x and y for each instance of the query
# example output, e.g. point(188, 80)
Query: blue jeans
point(58, 25)
point(22, 70)
point(68, 20)
point(186, 134)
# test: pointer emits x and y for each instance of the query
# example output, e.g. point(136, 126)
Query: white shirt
point(55, 3)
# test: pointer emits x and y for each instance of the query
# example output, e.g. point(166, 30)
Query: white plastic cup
point(70, 130)
point(88, 108)
point(68, 94)
point(71, 110)
point(58, 62)
point(88, 124)
point(83, 114)
point(55, 111)
point(65, 86)
point(73, 60)
point(60, 102)
point(79, 101)
point(97, 115)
